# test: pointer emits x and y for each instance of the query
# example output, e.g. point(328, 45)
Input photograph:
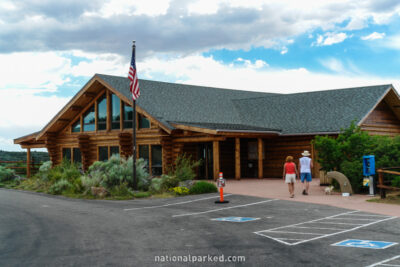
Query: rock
point(188, 184)
point(99, 191)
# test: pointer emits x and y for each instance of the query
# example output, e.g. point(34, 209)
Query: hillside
point(37, 157)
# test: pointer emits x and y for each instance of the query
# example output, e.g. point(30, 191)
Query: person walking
point(305, 166)
point(289, 174)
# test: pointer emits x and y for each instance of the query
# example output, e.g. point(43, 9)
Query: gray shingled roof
point(215, 108)
point(227, 127)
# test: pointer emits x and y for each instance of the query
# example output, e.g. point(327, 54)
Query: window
point(114, 150)
point(115, 112)
point(156, 160)
point(128, 115)
point(66, 154)
point(76, 154)
point(76, 127)
point(102, 113)
point(88, 120)
point(103, 153)
point(143, 122)
point(144, 154)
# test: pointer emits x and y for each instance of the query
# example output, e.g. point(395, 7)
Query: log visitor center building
point(240, 133)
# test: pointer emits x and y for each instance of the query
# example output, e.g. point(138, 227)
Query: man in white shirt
point(305, 166)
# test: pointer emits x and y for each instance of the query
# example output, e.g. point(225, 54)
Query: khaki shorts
point(290, 178)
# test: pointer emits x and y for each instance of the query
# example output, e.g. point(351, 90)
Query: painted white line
point(371, 215)
point(389, 264)
point(264, 232)
point(291, 239)
point(322, 228)
point(172, 204)
point(289, 232)
point(384, 261)
point(355, 219)
point(341, 223)
point(214, 210)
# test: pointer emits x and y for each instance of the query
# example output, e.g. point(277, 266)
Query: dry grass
point(391, 198)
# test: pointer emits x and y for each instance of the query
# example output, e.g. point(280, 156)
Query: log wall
point(382, 121)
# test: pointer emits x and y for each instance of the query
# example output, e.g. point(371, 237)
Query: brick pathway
point(276, 188)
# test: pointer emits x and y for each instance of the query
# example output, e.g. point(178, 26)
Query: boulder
point(99, 191)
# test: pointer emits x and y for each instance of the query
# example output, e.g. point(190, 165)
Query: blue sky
point(50, 49)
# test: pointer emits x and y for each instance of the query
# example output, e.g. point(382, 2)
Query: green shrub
point(117, 171)
point(396, 181)
point(156, 185)
point(169, 182)
point(121, 190)
point(46, 166)
point(59, 187)
point(202, 187)
point(142, 194)
point(6, 174)
point(94, 179)
point(184, 168)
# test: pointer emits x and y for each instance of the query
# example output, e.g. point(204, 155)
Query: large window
point(143, 122)
point(144, 154)
point(66, 154)
point(115, 112)
point(89, 119)
point(128, 115)
point(152, 155)
point(105, 152)
point(102, 113)
point(76, 127)
point(76, 154)
point(156, 160)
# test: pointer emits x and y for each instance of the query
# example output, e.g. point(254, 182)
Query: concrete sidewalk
point(276, 188)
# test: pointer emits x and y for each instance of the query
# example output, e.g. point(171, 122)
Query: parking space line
point(341, 223)
point(214, 210)
point(322, 228)
point(301, 233)
point(355, 219)
point(273, 231)
point(172, 204)
point(382, 263)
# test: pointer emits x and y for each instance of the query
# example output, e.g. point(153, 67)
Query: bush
point(121, 190)
point(345, 153)
point(6, 174)
point(202, 187)
point(180, 190)
point(184, 168)
point(156, 185)
point(142, 194)
point(396, 181)
point(59, 187)
point(168, 182)
point(117, 171)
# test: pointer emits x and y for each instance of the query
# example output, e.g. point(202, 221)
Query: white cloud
point(204, 71)
point(333, 64)
point(373, 36)
point(284, 50)
point(331, 38)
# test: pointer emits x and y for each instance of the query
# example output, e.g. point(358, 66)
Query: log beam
point(237, 158)
point(260, 158)
point(28, 163)
point(216, 159)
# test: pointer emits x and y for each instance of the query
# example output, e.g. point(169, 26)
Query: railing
point(13, 165)
point(382, 184)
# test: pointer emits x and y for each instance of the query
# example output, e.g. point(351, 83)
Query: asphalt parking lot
point(39, 230)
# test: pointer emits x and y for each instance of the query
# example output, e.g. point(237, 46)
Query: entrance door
point(205, 153)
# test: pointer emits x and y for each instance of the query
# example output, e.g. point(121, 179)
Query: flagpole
point(134, 133)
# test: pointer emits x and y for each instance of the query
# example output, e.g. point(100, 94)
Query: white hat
point(306, 153)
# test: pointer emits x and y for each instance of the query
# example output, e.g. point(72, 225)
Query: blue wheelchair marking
point(235, 219)
point(356, 243)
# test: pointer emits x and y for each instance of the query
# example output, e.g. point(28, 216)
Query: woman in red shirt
point(289, 174)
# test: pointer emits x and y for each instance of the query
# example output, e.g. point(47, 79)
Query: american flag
point(134, 84)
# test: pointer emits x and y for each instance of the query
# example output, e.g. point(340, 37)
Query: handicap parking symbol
point(356, 243)
point(235, 219)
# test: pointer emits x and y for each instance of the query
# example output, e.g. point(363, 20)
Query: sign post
point(369, 171)
point(221, 184)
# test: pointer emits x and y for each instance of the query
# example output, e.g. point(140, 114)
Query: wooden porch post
point(28, 163)
point(237, 158)
point(216, 159)
point(260, 159)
